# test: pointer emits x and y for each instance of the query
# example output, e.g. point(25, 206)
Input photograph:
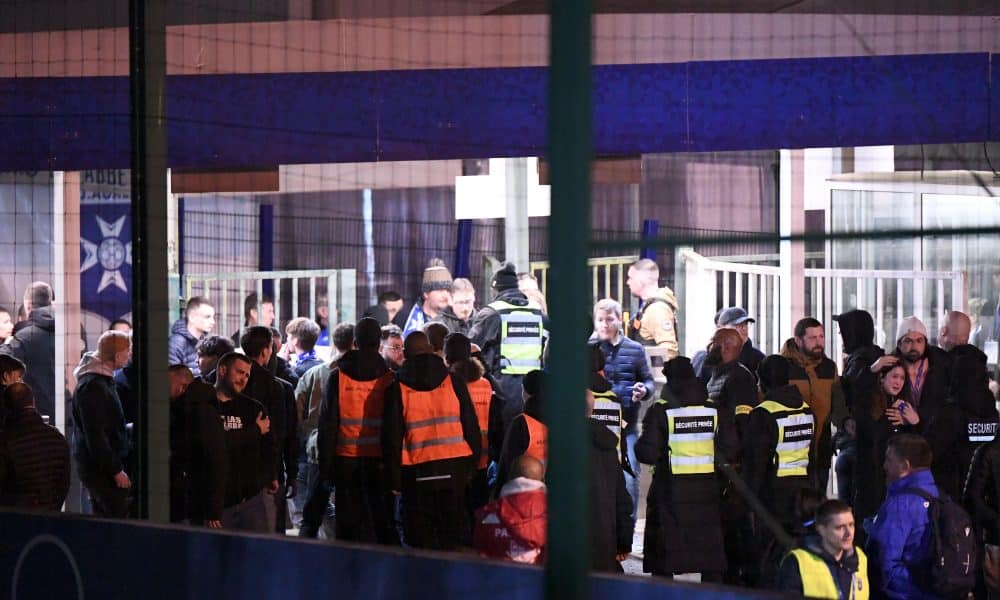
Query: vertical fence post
point(569, 150)
point(265, 247)
point(147, 128)
point(650, 230)
point(463, 247)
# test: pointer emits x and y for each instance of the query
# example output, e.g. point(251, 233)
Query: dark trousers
point(364, 507)
point(316, 508)
point(107, 499)
point(434, 513)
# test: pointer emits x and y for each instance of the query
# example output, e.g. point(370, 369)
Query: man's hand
point(292, 485)
point(638, 392)
point(263, 423)
point(122, 480)
point(213, 524)
point(883, 362)
point(621, 557)
point(272, 488)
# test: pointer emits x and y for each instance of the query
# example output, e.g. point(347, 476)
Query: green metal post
point(569, 154)
point(147, 105)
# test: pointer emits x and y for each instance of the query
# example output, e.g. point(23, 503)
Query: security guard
point(431, 444)
point(827, 564)
point(683, 436)
point(511, 332)
point(527, 433)
point(779, 439)
point(350, 440)
point(607, 408)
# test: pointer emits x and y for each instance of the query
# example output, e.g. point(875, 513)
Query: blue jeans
point(631, 434)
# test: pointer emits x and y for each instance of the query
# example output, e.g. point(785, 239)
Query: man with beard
point(391, 347)
point(250, 484)
point(927, 367)
point(817, 379)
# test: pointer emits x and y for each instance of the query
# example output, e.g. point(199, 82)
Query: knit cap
point(910, 324)
point(505, 278)
point(436, 277)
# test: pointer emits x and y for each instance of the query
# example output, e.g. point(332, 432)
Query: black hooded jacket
point(198, 459)
point(359, 366)
point(967, 420)
point(34, 344)
point(683, 526)
point(484, 330)
point(425, 372)
point(857, 330)
point(279, 401)
point(611, 524)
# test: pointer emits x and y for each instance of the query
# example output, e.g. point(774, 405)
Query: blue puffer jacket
point(899, 540)
point(182, 347)
point(625, 365)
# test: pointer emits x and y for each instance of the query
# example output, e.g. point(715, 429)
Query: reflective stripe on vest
point(691, 439)
point(521, 335)
point(538, 442)
point(980, 432)
point(608, 412)
point(361, 404)
point(481, 393)
point(433, 424)
point(818, 582)
point(795, 433)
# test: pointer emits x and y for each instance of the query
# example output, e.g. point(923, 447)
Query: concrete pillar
point(792, 221)
point(66, 286)
point(516, 232)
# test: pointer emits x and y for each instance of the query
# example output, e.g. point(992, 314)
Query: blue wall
point(245, 121)
point(136, 560)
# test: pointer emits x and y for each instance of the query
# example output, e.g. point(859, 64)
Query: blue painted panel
point(136, 560)
point(246, 121)
point(995, 98)
point(839, 101)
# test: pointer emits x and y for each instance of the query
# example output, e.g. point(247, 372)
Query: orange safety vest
point(433, 425)
point(361, 404)
point(481, 393)
point(538, 443)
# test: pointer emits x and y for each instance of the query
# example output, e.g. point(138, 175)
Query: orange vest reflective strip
point(538, 444)
point(433, 425)
point(361, 404)
point(481, 393)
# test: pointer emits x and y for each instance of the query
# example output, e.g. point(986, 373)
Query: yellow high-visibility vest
point(522, 335)
point(795, 432)
point(691, 439)
point(817, 580)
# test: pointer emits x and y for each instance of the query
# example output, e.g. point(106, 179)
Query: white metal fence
point(295, 293)
point(704, 286)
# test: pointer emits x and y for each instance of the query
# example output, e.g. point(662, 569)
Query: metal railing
point(608, 275)
point(295, 293)
point(705, 286)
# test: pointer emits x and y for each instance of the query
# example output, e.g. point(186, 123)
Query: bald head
point(955, 330)
point(416, 344)
point(526, 466)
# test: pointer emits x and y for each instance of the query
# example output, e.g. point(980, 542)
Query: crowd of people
point(427, 428)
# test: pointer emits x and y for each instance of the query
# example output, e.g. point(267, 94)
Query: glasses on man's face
point(394, 348)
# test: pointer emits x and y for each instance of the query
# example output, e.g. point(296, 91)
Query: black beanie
point(457, 347)
point(505, 278)
point(773, 372)
point(367, 333)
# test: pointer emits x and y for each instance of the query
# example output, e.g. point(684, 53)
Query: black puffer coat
point(683, 524)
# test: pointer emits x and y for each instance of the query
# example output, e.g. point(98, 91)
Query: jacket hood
point(684, 393)
point(90, 364)
point(786, 395)
point(513, 296)
point(922, 479)
point(181, 327)
point(665, 293)
point(857, 329)
point(601, 437)
point(43, 318)
point(521, 509)
point(362, 366)
point(423, 372)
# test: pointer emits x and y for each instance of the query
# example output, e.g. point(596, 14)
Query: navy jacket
point(625, 365)
point(899, 540)
point(182, 347)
